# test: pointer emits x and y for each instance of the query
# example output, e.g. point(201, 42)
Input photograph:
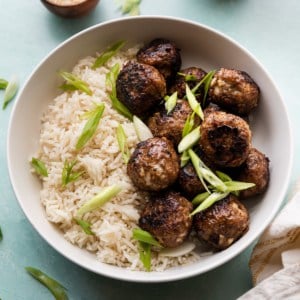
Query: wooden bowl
point(70, 10)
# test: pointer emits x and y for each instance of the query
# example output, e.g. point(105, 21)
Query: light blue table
point(269, 29)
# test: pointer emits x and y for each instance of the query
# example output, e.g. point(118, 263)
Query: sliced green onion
point(144, 236)
point(107, 54)
point(3, 83)
point(200, 198)
point(68, 175)
point(131, 7)
point(111, 78)
point(189, 124)
point(39, 167)
point(171, 102)
point(209, 201)
point(233, 186)
point(184, 158)
point(54, 287)
point(194, 104)
point(189, 140)
point(86, 226)
point(206, 80)
point(1, 235)
point(90, 126)
point(99, 200)
point(224, 177)
point(10, 91)
point(74, 83)
point(188, 77)
point(142, 130)
point(145, 255)
point(122, 142)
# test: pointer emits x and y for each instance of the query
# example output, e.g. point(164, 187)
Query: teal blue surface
point(269, 29)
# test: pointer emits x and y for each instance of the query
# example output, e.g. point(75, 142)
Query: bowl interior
point(200, 46)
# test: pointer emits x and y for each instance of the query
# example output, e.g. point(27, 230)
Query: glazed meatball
point(163, 55)
point(234, 90)
point(255, 170)
point(154, 165)
point(223, 223)
point(167, 218)
point(180, 83)
point(140, 87)
point(171, 125)
point(225, 139)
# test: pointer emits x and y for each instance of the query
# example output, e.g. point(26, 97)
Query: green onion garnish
point(234, 186)
point(122, 142)
point(74, 83)
point(209, 201)
point(146, 240)
point(68, 175)
point(99, 200)
point(224, 177)
point(189, 140)
point(86, 226)
point(188, 77)
point(39, 167)
point(107, 54)
point(194, 104)
point(142, 130)
point(200, 198)
point(206, 80)
point(90, 126)
point(111, 78)
point(10, 91)
point(189, 124)
point(184, 158)
point(170, 102)
point(131, 7)
point(3, 83)
point(54, 287)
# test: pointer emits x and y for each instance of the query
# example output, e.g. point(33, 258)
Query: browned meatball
point(140, 87)
point(234, 90)
point(167, 218)
point(154, 165)
point(255, 170)
point(171, 125)
point(223, 223)
point(225, 139)
point(180, 83)
point(163, 55)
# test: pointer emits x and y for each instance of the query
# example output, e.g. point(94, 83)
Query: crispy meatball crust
point(256, 170)
point(140, 87)
point(223, 223)
point(154, 165)
point(171, 125)
point(179, 83)
point(163, 55)
point(167, 218)
point(225, 139)
point(234, 90)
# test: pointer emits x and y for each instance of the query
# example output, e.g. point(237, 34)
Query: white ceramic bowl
point(200, 46)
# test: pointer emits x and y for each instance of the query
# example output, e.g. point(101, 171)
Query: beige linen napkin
point(275, 260)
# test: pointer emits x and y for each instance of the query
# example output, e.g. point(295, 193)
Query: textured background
point(269, 29)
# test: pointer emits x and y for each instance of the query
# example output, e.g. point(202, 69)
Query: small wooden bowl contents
point(70, 8)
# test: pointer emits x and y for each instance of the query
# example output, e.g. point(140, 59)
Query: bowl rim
point(179, 275)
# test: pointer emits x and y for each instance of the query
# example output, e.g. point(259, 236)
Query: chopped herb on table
point(131, 7)
point(11, 88)
point(3, 84)
point(54, 287)
point(1, 235)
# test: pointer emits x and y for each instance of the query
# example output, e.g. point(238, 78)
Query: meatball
point(140, 87)
point(163, 55)
point(234, 90)
point(180, 83)
point(256, 170)
point(167, 218)
point(225, 139)
point(171, 125)
point(154, 165)
point(223, 223)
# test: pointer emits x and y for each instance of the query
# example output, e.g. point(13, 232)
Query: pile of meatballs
point(225, 145)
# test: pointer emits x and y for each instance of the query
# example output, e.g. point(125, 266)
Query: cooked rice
point(103, 166)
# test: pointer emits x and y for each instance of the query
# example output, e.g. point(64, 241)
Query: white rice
point(103, 166)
